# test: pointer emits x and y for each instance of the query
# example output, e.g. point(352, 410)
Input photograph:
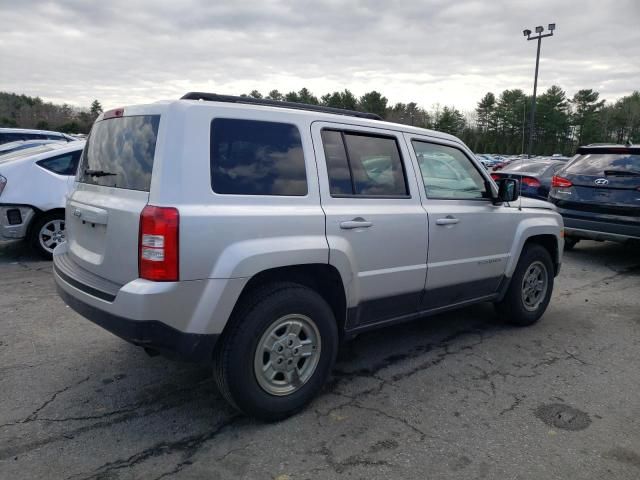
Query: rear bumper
point(597, 235)
point(14, 221)
point(599, 227)
point(150, 334)
point(178, 319)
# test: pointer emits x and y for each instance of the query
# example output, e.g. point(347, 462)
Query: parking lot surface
point(458, 395)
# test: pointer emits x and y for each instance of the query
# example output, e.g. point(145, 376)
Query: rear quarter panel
point(233, 236)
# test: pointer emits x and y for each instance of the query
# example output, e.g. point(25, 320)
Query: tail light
point(495, 176)
point(530, 182)
point(158, 244)
point(3, 182)
point(560, 182)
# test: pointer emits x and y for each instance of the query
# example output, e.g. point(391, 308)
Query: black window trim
point(487, 182)
point(304, 160)
point(363, 133)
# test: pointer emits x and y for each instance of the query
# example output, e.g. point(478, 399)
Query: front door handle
point(355, 223)
point(448, 220)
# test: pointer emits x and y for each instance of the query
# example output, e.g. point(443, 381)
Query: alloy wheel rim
point(52, 234)
point(534, 286)
point(287, 354)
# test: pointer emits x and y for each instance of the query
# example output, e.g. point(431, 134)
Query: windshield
point(597, 163)
point(120, 151)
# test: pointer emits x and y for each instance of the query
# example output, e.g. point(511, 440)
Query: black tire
point(34, 232)
point(234, 357)
point(570, 242)
point(512, 307)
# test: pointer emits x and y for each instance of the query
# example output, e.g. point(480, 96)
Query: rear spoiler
point(634, 150)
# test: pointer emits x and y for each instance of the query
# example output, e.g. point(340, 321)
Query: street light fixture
point(539, 37)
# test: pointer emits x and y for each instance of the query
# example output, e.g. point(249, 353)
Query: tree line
point(499, 123)
point(22, 111)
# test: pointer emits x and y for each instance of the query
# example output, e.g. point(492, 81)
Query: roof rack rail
point(214, 97)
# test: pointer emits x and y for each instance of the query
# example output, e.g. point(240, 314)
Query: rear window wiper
point(98, 173)
point(621, 173)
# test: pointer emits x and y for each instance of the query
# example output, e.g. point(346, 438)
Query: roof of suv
point(317, 112)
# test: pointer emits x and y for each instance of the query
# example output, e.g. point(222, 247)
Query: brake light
point(530, 182)
point(560, 182)
point(495, 176)
point(158, 244)
point(116, 112)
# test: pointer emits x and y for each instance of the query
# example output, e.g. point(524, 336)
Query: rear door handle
point(355, 223)
point(448, 220)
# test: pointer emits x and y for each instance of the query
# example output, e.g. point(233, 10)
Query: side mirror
point(508, 190)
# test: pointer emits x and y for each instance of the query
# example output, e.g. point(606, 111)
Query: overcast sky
point(429, 51)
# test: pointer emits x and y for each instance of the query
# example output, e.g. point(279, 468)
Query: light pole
point(539, 37)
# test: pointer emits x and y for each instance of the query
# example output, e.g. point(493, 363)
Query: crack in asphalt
point(517, 401)
point(348, 463)
point(183, 396)
point(34, 415)
point(187, 461)
point(188, 446)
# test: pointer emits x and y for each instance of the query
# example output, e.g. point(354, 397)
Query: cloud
point(431, 51)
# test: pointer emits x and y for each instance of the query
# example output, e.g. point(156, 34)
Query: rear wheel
point(47, 232)
point(278, 351)
point(530, 289)
point(570, 242)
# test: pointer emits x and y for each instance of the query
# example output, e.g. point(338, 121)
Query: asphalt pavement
point(458, 395)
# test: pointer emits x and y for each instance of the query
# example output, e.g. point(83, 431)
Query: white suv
point(254, 235)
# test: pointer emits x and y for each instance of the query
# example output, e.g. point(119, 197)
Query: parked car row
point(598, 194)
point(597, 191)
point(261, 233)
point(35, 180)
point(15, 134)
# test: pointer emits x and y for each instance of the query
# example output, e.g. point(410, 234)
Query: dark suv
point(598, 194)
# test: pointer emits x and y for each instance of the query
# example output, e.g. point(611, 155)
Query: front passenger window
point(448, 173)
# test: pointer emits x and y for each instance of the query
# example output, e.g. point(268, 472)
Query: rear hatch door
point(603, 182)
point(113, 183)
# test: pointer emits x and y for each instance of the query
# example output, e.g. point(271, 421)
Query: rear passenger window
point(63, 164)
point(250, 157)
point(363, 164)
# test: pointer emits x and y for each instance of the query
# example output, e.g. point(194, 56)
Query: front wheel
point(530, 289)
point(278, 351)
point(47, 232)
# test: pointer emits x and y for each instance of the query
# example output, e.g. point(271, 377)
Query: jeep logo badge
point(602, 181)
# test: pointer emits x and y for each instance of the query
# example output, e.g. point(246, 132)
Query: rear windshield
point(526, 167)
point(119, 153)
point(597, 163)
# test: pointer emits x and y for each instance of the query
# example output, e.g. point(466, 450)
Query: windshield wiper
point(98, 173)
point(621, 173)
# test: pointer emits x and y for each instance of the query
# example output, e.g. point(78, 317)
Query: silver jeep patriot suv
point(255, 235)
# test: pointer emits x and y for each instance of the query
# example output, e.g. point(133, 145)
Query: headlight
point(3, 182)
